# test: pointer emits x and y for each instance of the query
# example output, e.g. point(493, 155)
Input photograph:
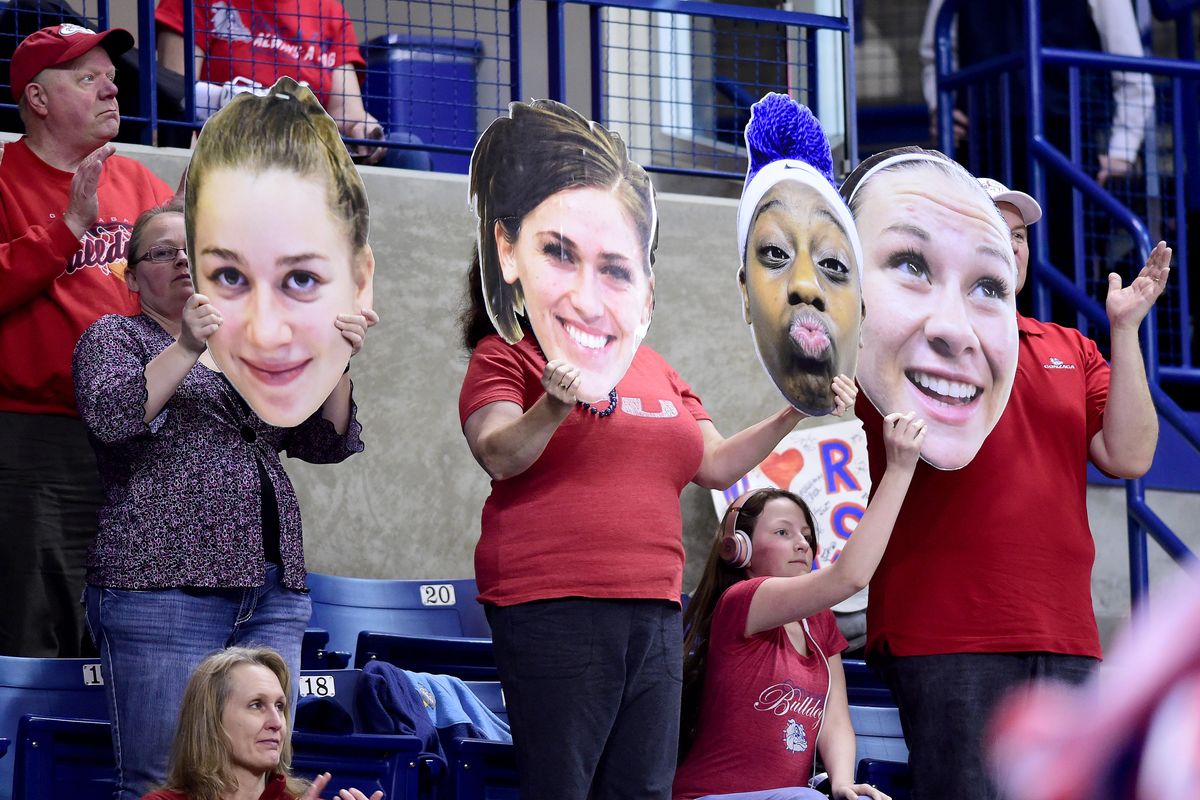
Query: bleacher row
point(55, 738)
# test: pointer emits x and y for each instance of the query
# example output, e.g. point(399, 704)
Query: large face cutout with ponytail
point(567, 228)
point(801, 262)
point(277, 222)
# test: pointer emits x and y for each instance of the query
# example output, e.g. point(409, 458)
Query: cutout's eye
point(228, 277)
point(834, 268)
point(301, 281)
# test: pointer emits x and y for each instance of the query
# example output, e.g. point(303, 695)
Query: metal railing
point(1096, 212)
point(675, 78)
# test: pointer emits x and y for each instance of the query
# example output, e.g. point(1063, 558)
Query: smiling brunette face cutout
point(939, 285)
point(801, 294)
point(583, 270)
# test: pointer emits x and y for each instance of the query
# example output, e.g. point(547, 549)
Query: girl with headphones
point(763, 681)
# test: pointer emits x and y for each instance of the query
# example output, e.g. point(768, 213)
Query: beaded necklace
point(612, 393)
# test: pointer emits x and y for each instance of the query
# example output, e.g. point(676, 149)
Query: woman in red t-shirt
point(589, 437)
point(763, 680)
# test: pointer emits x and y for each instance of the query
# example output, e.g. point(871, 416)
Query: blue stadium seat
point(63, 759)
point(53, 687)
point(863, 686)
point(469, 659)
point(72, 759)
point(892, 777)
point(479, 769)
point(877, 733)
point(347, 606)
point(368, 762)
point(315, 652)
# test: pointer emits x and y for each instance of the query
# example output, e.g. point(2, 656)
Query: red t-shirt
point(53, 285)
point(762, 703)
point(997, 556)
point(597, 515)
point(305, 40)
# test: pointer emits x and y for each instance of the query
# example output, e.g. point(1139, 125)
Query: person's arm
point(346, 107)
point(35, 257)
point(836, 742)
point(1125, 444)
point(1133, 92)
point(728, 459)
point(170, 49)
point(167, 370)
point(779, 601)
point(926, 51)
point(505, 440)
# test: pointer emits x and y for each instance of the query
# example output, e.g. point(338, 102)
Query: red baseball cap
point(59, 44)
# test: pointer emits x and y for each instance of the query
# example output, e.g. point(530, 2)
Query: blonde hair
point(286, 129)
point(199, 765)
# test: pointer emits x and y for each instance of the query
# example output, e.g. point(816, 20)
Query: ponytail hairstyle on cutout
point(697, 620)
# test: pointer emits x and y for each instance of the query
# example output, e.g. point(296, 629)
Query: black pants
point(49, 495)
point(592, 689)
point(946, 703)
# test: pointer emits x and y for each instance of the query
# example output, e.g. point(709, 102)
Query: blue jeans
point(592, 690)
point(150, 642)
point(946, 703)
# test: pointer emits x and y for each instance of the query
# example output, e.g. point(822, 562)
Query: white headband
point(900, 159)
point(788, 169)
point(935, 159)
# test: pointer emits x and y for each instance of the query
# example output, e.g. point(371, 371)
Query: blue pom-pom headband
point(788, 169)
point(786, 142)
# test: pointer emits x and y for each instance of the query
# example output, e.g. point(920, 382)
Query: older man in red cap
point(67, 206)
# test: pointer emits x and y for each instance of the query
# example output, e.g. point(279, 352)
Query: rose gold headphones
point(736, 550)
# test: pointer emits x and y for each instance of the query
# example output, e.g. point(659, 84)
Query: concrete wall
point(409, 506)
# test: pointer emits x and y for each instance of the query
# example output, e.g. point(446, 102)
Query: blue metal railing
point(1046, 159)
point(723, 50)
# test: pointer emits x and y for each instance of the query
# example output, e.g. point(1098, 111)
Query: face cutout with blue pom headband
point(801, 259)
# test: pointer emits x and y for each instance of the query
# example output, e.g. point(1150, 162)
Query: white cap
point(1029, 209)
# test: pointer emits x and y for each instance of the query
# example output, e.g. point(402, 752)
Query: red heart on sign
point(781, 468)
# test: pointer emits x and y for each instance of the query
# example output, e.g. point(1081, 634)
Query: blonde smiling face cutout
point(940, 333)
point(567, 225)
point(277, 237)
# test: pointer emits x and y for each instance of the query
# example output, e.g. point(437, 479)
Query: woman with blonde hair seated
point(232, 741)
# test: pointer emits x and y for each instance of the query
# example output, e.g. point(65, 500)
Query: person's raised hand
point(561, 381)
point(845, 392)
point(354, 327)
point(83, 207)
point(319, 783)
point(200, 321)
point(1127, 306)
point(903, 435)
point(852, 791)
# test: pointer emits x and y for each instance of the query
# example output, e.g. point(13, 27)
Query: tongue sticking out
point(812, 338)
